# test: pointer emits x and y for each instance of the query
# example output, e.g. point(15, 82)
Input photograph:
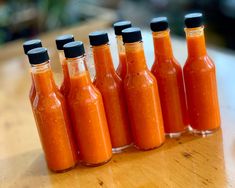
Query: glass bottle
point(118, 27)
point(142, 96)
point(200, 79)
point(51, 115)
point(111, 87)
point(87, 110)
point(169, 77)
point(60, 42)
point(29, 45)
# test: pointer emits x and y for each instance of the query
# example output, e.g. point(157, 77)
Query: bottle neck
point(62, 57)
point(196, 42)
point(162, 44)
point(103, 60)
point(135, 57)
point(120, 45)
point(43, 78)
point(78, 72)
point(64, 65)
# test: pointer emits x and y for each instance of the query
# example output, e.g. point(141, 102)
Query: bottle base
point(95, 164)
point(147, 149)
point(121, 149)
point(176, 134)
point(203, 133)
point(64, 170)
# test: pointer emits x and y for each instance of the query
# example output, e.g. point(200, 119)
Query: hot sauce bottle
point(142, 96)
point(169, 77)
point(200, 79)
point(51, 115)
point(111, 87)
point(60, 42)
point(29, 45)
point(118, 27)
point(87, 110)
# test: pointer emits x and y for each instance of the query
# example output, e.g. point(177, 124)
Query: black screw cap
point(74, 49)
point(38, 55)
point(62, 40)
point(132, 34)
point(31, 44)
point(120, 25)
point(98, 38)
point(193, 20)
point(159, 24)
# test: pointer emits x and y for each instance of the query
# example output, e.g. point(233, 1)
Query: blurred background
point(28, 18)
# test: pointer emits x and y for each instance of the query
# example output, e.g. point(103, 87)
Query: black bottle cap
point(38, 55)
point(193, 20)
point(159, 24)
point(132, 34)
point(74, 49)
point(98, 38)
point(120, 25)
point(31, 44)
point(62, 40)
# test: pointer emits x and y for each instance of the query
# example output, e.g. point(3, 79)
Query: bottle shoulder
point(140, 79)
point(50, 101)
point(167, 67)
point(108, 80)
point(84, 94)
point(202, 63)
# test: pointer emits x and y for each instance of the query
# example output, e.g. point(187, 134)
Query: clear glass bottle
point(29, 45)
point(87, 110)
point(60, 42)
point(200, 79)
point(111, 87)
point(118, 27)
point(51, 115)
point(142, 96)
point(169, 77)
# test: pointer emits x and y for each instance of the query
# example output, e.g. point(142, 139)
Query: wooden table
point(189, 161)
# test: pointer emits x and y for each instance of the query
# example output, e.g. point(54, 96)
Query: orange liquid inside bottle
point(51, 117)
point(60, 42)
point(87, 112)
point(111, 87)
point(200, 82)
point(65, 86)
point(121, 69)
point(118, 28)
point(27, 46)
point(32, 92)
point(170, 84)
point(142, 96)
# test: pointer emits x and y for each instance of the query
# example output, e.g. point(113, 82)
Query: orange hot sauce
point(121, 69)
point(87, 110)
point(170, 80)
point(32, 92)
point(51, 115)
point(60, 42)
point(111, 87)
point(29, 45)
point(118, 27)
point(142, 95)
point(200, 79)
